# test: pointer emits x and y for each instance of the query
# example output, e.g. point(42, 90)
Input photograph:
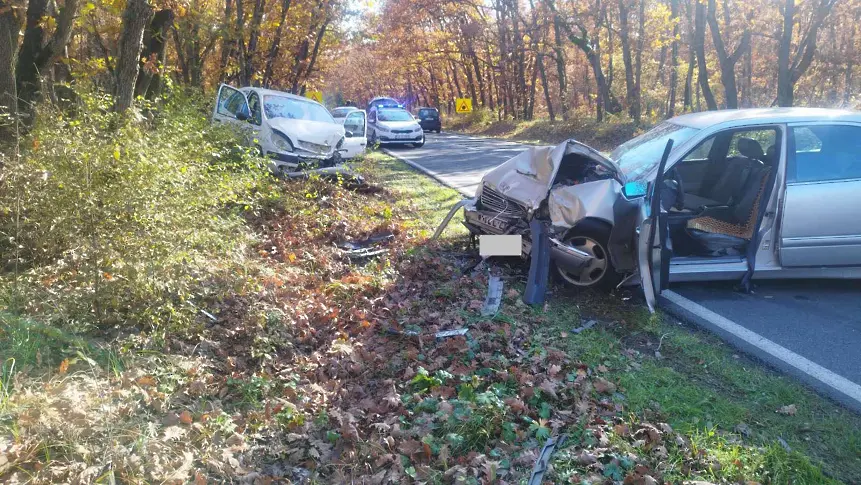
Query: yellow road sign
point(315, 95)
point(463, 105)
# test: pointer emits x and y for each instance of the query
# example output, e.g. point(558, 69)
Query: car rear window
point(428, 113)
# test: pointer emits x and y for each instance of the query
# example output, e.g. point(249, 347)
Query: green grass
point(701, 386)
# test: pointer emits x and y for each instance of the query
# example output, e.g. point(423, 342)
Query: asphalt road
point(818, 320)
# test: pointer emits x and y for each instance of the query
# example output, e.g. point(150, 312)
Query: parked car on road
point(341, 112)
point(394, 126)
point(384, 102)
point(290, 130)
point(429, 119)
point(720, 195)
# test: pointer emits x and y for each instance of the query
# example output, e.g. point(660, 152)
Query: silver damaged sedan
point(721, 195)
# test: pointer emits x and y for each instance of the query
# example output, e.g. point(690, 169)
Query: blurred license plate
point(500, 245)
point(403, 137)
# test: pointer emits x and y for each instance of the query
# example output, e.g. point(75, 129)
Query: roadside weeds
point(327, 371)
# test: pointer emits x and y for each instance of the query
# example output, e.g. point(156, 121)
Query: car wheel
point(590, 237)
point(372, 141)
point(419, 144)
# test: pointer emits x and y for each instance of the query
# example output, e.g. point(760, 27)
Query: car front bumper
point(285, 162)
point(387, 138)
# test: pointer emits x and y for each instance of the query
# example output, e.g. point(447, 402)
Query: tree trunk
point(726, 60)
point(674, 59)
point(547, 98)
point(699, 45)
point(689, 77)
point(9, 28)
point(275, 47)
point(790, 71)
point(136, 16)
point(559, 52)
point(624, 38)
point(36, 56)
point(850, 65)
point(638, 63)
point(153, 54)
point(228, 43)
point(253, 36)
point(320, 34)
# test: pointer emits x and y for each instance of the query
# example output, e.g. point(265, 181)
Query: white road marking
point(813, 370)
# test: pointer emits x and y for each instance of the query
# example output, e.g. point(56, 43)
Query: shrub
point(106, 221)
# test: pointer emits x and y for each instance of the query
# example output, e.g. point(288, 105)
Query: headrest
point(750, 148)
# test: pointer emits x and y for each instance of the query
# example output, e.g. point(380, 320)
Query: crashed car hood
point(527, 177)
point(319, 132)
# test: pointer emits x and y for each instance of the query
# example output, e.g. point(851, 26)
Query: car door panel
point(653, 253)
point(819, 222)
point(356, 123)
point(230, 105)
point(818, 233)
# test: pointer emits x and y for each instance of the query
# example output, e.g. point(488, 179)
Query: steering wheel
point(677, 187)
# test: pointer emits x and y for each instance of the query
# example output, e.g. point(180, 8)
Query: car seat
point(724, 181)
point(728, 229)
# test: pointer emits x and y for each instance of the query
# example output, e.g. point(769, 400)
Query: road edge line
point(830, 383)
point(430, 173)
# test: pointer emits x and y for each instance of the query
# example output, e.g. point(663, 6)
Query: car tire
point(372, 141)
point(419, 144)
point(590, 236)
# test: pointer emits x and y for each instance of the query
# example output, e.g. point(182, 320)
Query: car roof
point(273, 92)
point(428, 107)
point(345, 107)
point(706, 119)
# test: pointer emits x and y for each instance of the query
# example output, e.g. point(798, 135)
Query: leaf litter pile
point(325, 368)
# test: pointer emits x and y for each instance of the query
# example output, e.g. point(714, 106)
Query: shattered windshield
point(294, 109)
point(639, 156)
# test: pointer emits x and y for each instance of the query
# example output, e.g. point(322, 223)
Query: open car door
point(355, 141)
point(231, 106)
point(653, 252)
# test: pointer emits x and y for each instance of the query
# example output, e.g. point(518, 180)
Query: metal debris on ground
point(451, 333)
point(586, 326)
point(368, 247)
point(494, 297)
point(784, 444)
point(541, 464)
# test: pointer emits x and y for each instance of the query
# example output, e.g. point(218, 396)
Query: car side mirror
point(348, 134)
point(634, 190)
point(242, 116)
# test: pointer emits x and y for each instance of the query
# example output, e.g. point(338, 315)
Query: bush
point(106, 221)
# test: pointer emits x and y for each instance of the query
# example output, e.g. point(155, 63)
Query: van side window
point(825, 152)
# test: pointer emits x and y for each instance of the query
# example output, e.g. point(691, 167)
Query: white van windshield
point(294, 109)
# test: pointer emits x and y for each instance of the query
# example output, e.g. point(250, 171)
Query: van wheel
point(591, 237)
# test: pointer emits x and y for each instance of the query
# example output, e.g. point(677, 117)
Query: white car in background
point(340, 113)
point(290, 130)
point(394, 126)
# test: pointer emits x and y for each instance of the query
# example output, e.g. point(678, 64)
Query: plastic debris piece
point(586, 326)
point(451, 333)
point(494, 297)
point(541, 464)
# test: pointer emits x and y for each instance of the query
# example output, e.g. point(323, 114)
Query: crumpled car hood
point(527, 177)
point(319, 132)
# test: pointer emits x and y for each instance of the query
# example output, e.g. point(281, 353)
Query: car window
point(701, 151)
point(765, 138)
point(355, 123)
point(427, 113)
point(231, 102)
point(639, 156)
point(825, 152)
point(254, 108)
point(294, 109)
point(393, 115)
